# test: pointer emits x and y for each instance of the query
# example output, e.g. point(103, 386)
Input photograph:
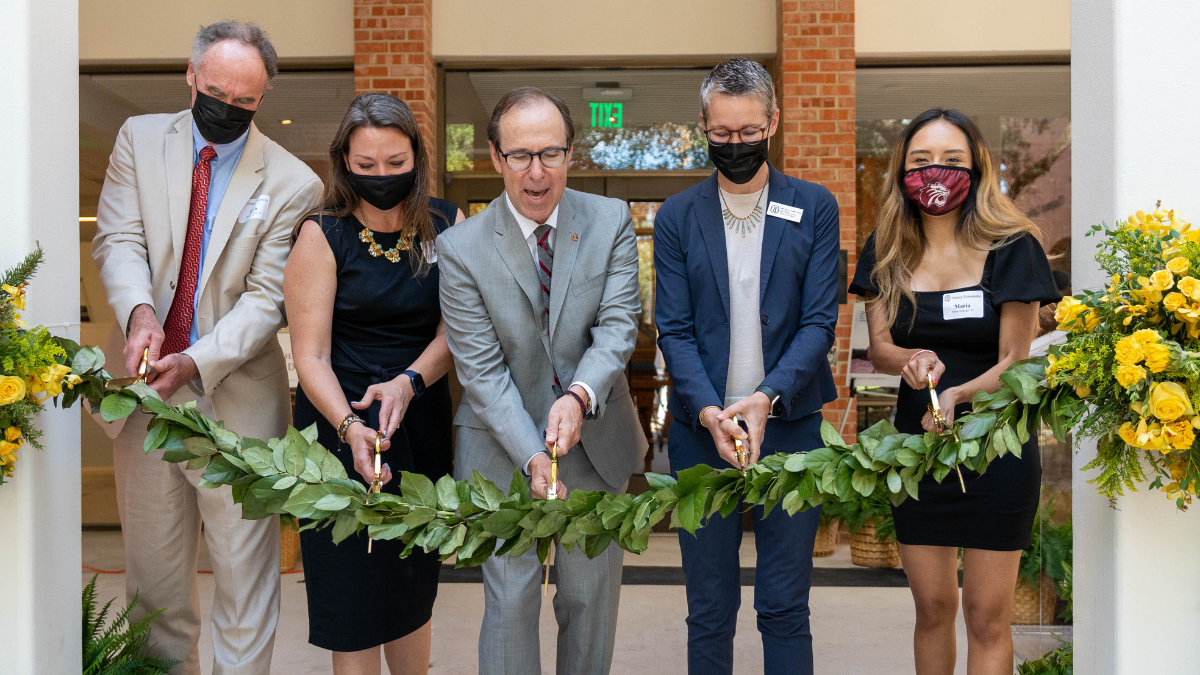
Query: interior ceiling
point(984, 91)
point(659, 95)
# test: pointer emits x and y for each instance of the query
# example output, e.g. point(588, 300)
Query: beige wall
point(612, 28)
point(889, 27)
point(150, 30)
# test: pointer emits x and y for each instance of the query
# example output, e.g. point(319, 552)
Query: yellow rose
point(1128, 434)
point(1190, 287)
point(1179, 434)
point(1073, 315)
point(1129, 351)
point(1178, 265)
point(1158, 357)
point(1146, 336)
point(1129, 375)
point(8, 453)
point(1168, 401)
point(1174, 301)
point(12, 389)
point(1163, 280)
point(12, 434)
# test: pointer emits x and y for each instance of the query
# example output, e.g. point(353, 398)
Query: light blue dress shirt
point(221, 170)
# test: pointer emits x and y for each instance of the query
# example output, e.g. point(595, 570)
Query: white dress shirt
point(527, 227)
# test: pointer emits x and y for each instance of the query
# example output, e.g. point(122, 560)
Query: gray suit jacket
point(492, 306)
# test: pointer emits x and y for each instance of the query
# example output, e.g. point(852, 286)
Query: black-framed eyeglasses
point(551, 158)
point(747, 135)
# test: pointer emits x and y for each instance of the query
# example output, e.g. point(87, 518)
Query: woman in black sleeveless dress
point(949, 244)
point(361, 290)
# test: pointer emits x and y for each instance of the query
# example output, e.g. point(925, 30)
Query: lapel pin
point(574, 236)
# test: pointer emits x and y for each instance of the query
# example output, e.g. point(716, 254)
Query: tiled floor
point(855, 630)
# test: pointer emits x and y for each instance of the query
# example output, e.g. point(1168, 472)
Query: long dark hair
point(986, 220)
point(378, 110)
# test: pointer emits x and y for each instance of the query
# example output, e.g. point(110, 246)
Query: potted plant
point(872, 532)
point(1042, 569)
point(1057, 662)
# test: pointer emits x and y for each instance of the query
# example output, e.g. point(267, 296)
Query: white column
point(39, 201)
point(1135, 86)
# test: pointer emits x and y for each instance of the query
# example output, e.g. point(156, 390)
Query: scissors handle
point(144, 365)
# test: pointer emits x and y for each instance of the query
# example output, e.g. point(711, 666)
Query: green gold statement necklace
point(392, 254)
point(743, 225)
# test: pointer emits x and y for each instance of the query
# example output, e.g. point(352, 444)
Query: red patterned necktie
point(178, 326)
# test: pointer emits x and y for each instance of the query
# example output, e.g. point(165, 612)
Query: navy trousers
point(712, 566)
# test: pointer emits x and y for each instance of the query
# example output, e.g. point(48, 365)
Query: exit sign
point(607, 114)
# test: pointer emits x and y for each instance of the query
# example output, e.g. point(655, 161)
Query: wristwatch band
point(775, 398)
point(418, 382)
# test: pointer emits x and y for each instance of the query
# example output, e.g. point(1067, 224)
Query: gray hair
point(739, 77)
point(246, 33)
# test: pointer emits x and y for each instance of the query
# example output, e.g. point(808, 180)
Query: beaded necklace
point(743, 225)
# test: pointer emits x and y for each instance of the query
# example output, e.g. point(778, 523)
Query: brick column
point(393, 53)
point(816, 66)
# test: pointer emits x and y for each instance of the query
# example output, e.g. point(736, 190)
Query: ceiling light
point(87, 219)
point(285, 121)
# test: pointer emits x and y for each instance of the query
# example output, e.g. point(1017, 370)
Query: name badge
point(778, 210)
point(255, 209)
point(962, 305)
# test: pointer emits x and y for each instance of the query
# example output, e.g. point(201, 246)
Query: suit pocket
point(266, 364)
point(580, 289)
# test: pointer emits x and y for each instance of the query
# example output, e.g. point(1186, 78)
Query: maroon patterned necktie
point(178, 326)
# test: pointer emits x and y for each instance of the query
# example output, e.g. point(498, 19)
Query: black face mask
point(738, 162)
point(219, 122)
point(382, 192)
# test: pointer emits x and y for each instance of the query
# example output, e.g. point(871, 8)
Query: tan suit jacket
point(141, 229)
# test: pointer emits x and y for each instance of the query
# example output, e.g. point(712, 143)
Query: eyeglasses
point(747, 135)
point(551, 158)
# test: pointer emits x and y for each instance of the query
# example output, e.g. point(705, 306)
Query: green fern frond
point(118, 649)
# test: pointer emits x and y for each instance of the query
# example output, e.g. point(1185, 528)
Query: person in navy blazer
point(747, 273)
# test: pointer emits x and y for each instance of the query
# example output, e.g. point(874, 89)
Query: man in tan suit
point(194, 229)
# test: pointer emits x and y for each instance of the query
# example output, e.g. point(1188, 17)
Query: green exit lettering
point(607, 114)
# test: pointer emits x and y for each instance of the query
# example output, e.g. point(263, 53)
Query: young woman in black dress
point(361, 290)
point(950, 244)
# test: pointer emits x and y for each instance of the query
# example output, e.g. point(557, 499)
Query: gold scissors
point(143, 368)
point(942, 425)
point(552, 491)
point(739, 449)
point(377, 484)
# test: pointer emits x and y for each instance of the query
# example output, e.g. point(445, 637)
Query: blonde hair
point(987, 219)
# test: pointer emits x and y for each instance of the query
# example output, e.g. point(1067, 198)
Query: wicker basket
point(866, 551)
point(827, 536)
point(289, 547)
point(1034, 607)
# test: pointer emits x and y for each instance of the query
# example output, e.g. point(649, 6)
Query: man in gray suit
point(540, 291)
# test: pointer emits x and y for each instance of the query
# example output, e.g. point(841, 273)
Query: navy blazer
point(798, 297)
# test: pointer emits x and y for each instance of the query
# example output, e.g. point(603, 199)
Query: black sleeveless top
point(995, 511)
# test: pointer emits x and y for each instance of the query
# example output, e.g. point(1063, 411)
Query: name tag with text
point(962, 305)
point(255, 208)
point(777, 210)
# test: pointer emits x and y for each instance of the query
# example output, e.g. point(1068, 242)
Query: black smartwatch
point(775, 398)
point(418, 382)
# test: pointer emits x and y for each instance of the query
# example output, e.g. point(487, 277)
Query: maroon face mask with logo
point(937, 189)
